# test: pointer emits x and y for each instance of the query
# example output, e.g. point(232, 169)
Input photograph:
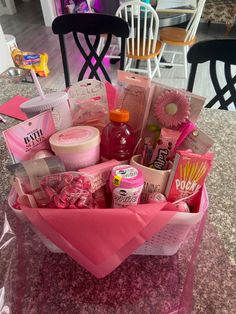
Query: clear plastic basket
point(165, 242)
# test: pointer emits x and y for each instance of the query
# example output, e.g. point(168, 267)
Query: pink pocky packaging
point(29, 137)
point(188, 174)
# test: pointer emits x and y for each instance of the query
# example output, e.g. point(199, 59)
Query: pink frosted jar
point(78, 147)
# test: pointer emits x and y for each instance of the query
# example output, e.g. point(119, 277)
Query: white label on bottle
point(125, 197)
point(127, 173)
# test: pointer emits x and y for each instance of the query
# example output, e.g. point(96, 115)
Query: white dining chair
point(180, 37)
point(114, 51)
point(143, 43)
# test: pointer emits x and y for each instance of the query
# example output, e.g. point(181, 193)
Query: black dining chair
point(90, 24)
point(223, 50)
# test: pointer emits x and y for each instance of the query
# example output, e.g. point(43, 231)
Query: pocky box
point(188, 174)
point(27, 138)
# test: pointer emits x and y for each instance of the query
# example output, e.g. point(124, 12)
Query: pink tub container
point(78, 147)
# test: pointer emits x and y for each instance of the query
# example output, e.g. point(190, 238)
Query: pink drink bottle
point(117, 140)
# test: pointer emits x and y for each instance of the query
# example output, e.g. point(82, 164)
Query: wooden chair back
point(215, 50)
point(144, 25)
point(194, 21)
point(90, 24)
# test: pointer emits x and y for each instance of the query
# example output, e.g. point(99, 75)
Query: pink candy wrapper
point(68, 190)
point(164, 149)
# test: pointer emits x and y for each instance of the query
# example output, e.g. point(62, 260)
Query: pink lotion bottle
point(118, 139)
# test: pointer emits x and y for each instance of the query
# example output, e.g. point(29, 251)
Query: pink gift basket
point(101, 238)
point(173, 227)
point(167, 241)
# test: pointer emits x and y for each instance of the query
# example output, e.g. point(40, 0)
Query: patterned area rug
point(220, 11)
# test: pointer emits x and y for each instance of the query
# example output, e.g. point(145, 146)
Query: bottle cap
point(119, 115)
